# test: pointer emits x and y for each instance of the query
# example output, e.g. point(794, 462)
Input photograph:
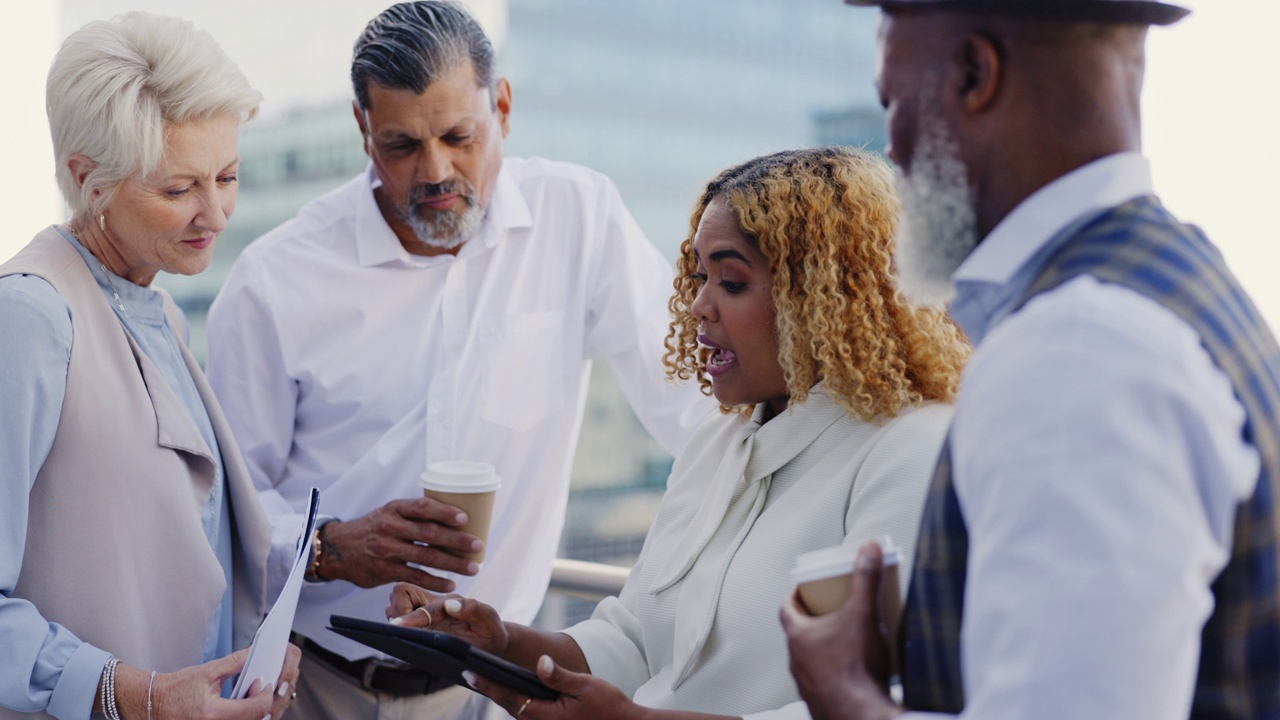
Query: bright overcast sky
point(1212, 104)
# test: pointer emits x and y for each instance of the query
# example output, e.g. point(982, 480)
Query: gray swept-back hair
point(115, 88)
point(413, 44)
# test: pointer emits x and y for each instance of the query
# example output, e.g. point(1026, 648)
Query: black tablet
point(440, 654)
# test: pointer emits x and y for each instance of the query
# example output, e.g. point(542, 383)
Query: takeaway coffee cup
point(822, 577)
point(468, 486)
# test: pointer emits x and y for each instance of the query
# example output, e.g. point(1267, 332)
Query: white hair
point(116, 87)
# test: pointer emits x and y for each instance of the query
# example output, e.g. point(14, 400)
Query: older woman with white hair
point(132, 548)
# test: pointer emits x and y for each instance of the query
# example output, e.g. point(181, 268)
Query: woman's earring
point(102, 222)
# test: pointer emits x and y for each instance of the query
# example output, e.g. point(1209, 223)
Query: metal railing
point(587, 580)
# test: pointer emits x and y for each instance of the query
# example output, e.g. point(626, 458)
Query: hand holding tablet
point(441, 654)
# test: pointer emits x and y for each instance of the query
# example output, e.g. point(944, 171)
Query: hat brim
point(1139, 12)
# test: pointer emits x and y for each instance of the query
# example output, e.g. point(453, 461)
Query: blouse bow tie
point(735, 497)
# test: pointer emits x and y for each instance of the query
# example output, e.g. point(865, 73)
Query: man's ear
point(364, 130)
point(502, 103)
point(80, 166)
point(982, 72)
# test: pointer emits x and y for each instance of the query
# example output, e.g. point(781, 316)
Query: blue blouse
point(45, 667)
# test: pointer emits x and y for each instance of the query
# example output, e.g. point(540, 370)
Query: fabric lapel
point(174, 427)
point(249, 522)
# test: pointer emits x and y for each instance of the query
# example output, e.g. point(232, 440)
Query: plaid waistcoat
point(1139, 245)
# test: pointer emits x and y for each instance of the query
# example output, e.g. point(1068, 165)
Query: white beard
point(939, 226)
point(448, 230)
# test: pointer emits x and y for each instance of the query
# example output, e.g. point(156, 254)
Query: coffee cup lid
point(825, 563)
point(838, 560)
point(460, 476)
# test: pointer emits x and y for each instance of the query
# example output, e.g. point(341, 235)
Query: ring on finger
point(424, 609)
point(293, 697)
point(524, 706)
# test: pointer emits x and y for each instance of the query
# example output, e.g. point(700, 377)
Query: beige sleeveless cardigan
point(115, 550)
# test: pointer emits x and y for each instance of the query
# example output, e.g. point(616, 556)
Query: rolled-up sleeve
point(43, 666)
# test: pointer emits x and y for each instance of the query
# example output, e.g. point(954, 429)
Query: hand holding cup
point(468, 486)
point(822, 580)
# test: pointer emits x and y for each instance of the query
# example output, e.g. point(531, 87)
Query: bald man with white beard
point(1101, 538)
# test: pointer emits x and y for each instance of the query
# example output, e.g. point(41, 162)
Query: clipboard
point(440, 654)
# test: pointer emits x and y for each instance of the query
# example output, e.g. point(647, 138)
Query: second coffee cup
point(823, 579)
point(470, 487)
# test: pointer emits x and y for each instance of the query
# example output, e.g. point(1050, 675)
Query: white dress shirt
point(696, 626)
point(347, 364)
point(1098, 461)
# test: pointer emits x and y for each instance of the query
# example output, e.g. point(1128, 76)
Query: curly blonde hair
point(825, 219)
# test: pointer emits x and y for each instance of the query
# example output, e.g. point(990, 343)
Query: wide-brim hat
point(1141, 12)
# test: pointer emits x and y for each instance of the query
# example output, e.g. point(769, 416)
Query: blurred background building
point(659, 95)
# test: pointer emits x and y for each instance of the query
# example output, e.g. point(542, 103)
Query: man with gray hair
point(1102, 537)
point(444, 305)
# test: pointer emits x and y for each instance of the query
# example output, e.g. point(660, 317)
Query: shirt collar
point(1086, 191)
point(142, 303)
point(378, 244)
point(997, 273)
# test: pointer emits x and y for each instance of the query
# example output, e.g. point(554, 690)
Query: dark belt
point(376, 675)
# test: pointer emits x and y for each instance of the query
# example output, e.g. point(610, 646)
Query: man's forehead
point(435, 107)
point(912, 24)
point(906, 37)
point(895, 44)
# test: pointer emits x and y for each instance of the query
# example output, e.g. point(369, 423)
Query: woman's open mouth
point(721, 359)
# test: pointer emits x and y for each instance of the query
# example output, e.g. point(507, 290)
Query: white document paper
point(266, 653)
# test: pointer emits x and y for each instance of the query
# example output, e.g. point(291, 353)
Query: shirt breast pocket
point(522, 364)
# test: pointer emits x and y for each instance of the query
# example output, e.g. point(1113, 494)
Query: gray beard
point(939, 226)
point(447, 230)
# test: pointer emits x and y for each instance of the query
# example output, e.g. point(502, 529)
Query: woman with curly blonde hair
point(824, 221)
point(834, 392)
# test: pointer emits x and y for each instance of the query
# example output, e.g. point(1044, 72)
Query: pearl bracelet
point(109, 690)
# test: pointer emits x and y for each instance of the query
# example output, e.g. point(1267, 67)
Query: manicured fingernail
point(472, 568)
point(397, 621)
point(470, 678)
point(266, 717)
point(284, 689)
point(460, 518)
point(545, 664)
point(477, 545)
point(453, 606)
